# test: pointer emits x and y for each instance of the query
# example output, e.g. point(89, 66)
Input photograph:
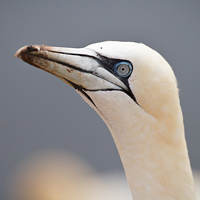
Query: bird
point(134, 90)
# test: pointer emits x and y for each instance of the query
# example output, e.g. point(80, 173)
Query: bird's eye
point(123, 69)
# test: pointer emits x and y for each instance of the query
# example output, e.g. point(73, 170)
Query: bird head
point(105, 72)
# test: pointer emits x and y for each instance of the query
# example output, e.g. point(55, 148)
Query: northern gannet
point(134, 90)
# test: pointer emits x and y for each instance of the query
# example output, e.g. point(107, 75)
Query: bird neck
point(154, 156)
point(156, 167)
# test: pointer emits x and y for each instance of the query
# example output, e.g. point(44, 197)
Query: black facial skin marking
point(107, 63)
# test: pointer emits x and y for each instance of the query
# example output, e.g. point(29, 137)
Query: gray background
point(40, 112)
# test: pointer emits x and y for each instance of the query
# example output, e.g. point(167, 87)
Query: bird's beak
point(81, 68)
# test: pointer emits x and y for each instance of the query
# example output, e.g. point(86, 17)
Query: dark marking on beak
point(80, 89)
point(31, 48)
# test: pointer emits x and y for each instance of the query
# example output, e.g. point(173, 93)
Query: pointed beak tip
point(26, 49)
point(19, 52)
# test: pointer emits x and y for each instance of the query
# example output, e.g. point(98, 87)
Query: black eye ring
point(123, 69)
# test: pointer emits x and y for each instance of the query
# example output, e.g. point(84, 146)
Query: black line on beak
point(77, 87)
point(105, 62)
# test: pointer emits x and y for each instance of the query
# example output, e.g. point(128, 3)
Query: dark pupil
point(122, 69)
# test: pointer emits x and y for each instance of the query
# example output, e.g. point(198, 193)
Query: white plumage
point(135, 92)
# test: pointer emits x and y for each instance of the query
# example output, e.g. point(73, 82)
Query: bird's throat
point(155, 160)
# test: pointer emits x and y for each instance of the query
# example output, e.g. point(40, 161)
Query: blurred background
point(38, 112)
